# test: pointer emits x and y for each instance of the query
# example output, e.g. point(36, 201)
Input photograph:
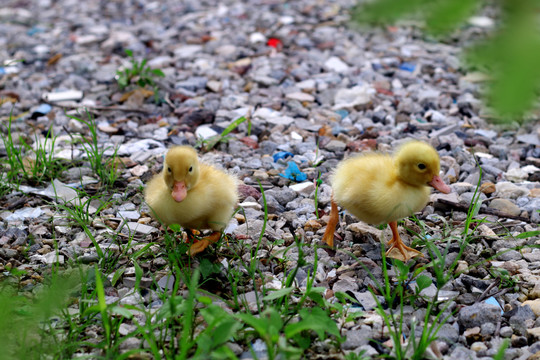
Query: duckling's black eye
point(190, 168)
point(421, 166)
point(169, 169)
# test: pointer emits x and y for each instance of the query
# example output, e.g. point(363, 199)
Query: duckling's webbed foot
point(398, 250)
point(199, 246)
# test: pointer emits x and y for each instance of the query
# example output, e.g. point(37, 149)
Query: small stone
point(478, 346)
point(481, 21)
point(521, 174)
point(487, 329)
point(251, 205)
point(108, 129)
point(356, 338)
point(307, 85)
point(534, 305)
point(485, 231)
point(506, 332)
point(335, 146)
point(257, 37)
point(128, 214)
point(462, 187)
point(132, 299)
point(448, 333)
point(312, 225)
point(205, 132)
point(532, 139)
point(462, 267)
point(357, 96)
point(505, 206)
point(345, 284)
point(53, 258)
point(260, 175)
point(138, 170)
point(535, 292)
point(478, 314)
point(136, 227)
point(532, 256)
point(535, 193)
point(336, 64)
point(363, 229)
point(472, 332)
point(534, 333)
point(488, 188)
point(366, 300)
point(214, 85)
point(508, 190)
point(166, 282)
point(300, 96)
point(246, 191)
point(305, 188)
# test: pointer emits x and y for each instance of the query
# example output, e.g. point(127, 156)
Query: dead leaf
point(136, 95)
point(54, 59)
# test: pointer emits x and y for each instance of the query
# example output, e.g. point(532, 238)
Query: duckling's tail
point(328, 237)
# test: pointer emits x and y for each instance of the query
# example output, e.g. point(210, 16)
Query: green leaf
point(137, 254)
point(402, 269)
point(387, 10)
point(138, 274)
point(314, 319)
point(260, 325)
point(94, 309)
point(278, 294)
point(423, 282)
point(175, 227)
point(233, 126)
point(445, 15)
point(158, 72)
point(102, 305)
point(117, 274)
point(208, 268)
point(119, 310)
point(128, 52)
point(204, 300)
point(225, 331)
point(528, 234)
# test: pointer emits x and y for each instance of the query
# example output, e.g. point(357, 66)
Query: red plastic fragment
point(275, 43)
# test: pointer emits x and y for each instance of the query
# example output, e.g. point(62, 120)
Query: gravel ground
point(314, 91)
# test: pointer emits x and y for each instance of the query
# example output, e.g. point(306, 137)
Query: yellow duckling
point(380, 188)
point(193, 195)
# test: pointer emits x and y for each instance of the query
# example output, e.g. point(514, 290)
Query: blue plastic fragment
point(492, 301)
point(282, 155)
point(2, 71)
point(343, 113)
point(407, 66)
point(292, 172)
point(43, 109)
point(35, 30)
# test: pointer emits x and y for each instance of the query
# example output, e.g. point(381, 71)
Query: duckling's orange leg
point(203, 243)
point(328, 236)
point(405, 253)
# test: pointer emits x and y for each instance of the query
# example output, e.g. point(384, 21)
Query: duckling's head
point(418, 164)
point(181, 171)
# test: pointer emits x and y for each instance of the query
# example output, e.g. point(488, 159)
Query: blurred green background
point(509, 53)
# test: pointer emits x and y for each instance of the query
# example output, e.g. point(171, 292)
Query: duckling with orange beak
point(193, 195)
point(380, 188)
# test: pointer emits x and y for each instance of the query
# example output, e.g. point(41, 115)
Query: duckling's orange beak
point(439, 184)
point(179, 191)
